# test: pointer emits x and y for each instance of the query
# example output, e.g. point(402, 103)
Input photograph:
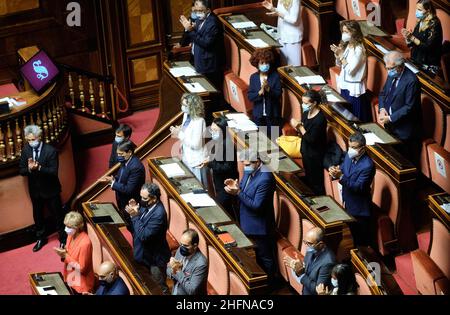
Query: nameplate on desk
point(311, 79)
point(257, 43)
point(194, 87)
point(105, 213)
point(183, 71)
point(198, 200)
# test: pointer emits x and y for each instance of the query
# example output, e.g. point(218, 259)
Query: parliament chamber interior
point(224, 147)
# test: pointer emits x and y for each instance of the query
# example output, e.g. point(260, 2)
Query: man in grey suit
point(189, 268)
point(317, 265)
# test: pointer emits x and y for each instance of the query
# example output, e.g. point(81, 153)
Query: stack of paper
point(381, 48)
point(333, 98)
point(311, 79)
point(257, 43)
point(446, 207)
point(46, 290)
point(241, 122)
point(198, 200)
point(248, 24)
point(173, 170)
point(412, 68)
point(195, 87)
point(183, 71)
point(372, 138)
point(13, 101)
point(238, 117)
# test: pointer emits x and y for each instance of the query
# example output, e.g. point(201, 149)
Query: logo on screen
point(42, 72)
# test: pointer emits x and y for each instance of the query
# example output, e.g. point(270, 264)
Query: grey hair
point(152, 189)
point(396, 56)
point(33, 129)
point(195, 105)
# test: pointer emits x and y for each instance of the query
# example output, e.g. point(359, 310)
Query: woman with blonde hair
point(77, 255)
point(351, 56)
point(191, 133)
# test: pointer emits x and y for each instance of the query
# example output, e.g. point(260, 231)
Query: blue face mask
point(119, 139)
point(194, 16)
point(419, 14)
point(121, 159)
point(311, 250)
point(393, 73)
point(334, 282)
point(264, 67)
point(249, 168)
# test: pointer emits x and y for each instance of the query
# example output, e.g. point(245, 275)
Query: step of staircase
point(423, 239)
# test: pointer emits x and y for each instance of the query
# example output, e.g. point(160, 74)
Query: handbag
point(291, 145)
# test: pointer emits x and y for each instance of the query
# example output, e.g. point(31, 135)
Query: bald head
point(107, 270)
point(314, 235)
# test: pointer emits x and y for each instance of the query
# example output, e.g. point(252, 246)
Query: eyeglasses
point(309, 244)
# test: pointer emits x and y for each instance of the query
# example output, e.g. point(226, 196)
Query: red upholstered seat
point(440, 248)
point(360, 13)
point(178, 222)
point(289, 221)
point(397, 39)
point(294, 254)
point(341, 8)
point(246, 69)
point(237, 287)
point(232, 54)
point(164, 197)
point(237, 90)
point(218, 281)
point(334, 73)
point(202, 245)
point(364, 288)
point(306, 226)
point(276, 206)
point(97, 257)
point(430, 279)
point(385, 197)
point(282, 244)
point(106, 254)
point(439, 166)
point(447, 134)
point(291, 107)
point(444, 18)
point(172, 242)
point(376, 77)
point(311, 37)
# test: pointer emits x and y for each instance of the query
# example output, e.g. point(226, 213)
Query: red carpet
point(8, 90)
point(15, 265)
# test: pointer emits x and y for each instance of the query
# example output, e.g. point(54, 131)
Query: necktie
point(144, 214)
point(121, 172)
point(390, 95)
point(186, 123)
point(36, 153)
point(248, 182)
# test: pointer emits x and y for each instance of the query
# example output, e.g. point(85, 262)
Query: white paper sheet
point(194, 87)
point(412, 67)
point(355, 7)
point(238, 117)
point(248, 24)
point(440, 164)
point(372, 138)
point(381, 48)
point(446, 207)
point(44, 292)
point(257, 43)
point(183, 71)
point(248, 127)
point(173, 170)
point(234, 91)
point(311, 79)
point(199, 200)
point(332, 98)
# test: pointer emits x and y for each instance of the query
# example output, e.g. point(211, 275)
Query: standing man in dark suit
point(123, 134)
point(129, 179)
point(149, 219)
point(317, 265)
point(255, 194)
point(39, 162)
point(355, 175)
point(399, 105)
point(206, 36)
point(189, 268)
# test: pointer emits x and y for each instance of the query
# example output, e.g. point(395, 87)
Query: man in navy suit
point(355, 175)
point(255, 194)
point(39, 162)
point(316, 267)
point(149, 221)
point(129, 179)
point(399, 105)
point(110, 282)
point(123, 134)
point(206, 36)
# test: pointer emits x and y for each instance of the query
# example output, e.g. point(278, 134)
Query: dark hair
point(222, 123)
point(316, 97)
point(262, 54)
point(126, 146)
point(206, 3)
point(355, 30)
point(127, 131)
point(193, 235)
point(359, 138)
point(428, 5)
point(346, 279)
point(152, 189)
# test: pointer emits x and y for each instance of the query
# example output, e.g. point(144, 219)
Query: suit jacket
point(113, 156)
point(118, 287)
point(128, 182)
point(149, 238)
point(43, 183)
point(256, 203)
point(356, 180)
point(406, 110)
point(317, 270)
point(209, 49)
point(79, 262)
point(192, 279)
point(271, 98)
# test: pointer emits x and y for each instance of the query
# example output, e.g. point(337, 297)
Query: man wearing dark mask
point(129, 179)
point(123, 134)
point(355, 175)
point(39, 162)
point(316, 267)
point(109, 280)
point(189, 268)
point(149, 219)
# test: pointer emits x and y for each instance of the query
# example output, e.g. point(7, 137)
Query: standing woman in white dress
point(290, 29)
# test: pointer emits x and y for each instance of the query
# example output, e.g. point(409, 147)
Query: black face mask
point(103, 283)
point(144, 203)
point(184, 251)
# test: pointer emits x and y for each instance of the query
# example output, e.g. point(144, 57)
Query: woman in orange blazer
point(77, 255)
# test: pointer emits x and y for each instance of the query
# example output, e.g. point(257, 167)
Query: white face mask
point(346, 37)
point(184, 109)
point(352, 153)
point(306, 107)
point(334, 282)
point(201, 15)
point(34, 144)
point(215, 135)
point(70, 231)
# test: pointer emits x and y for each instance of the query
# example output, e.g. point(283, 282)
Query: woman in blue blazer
point(265, 90)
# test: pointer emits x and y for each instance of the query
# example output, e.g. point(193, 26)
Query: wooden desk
point(43, 283)
point(434, 203)
point(240, 259)
point(364, 260)
point(122, 253)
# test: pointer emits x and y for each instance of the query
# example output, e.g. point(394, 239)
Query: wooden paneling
point(141, 22)
point(16, 6)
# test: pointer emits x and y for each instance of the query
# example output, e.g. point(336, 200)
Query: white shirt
point(36, 156)
point(353, 75)
point(290, 28)
point(194, 152)
point(263, 78)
